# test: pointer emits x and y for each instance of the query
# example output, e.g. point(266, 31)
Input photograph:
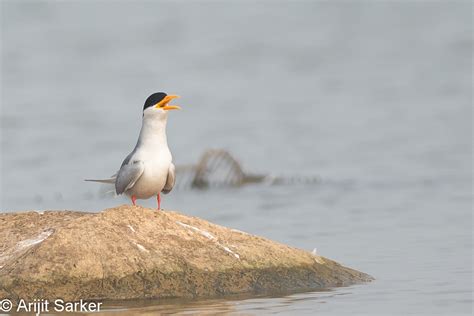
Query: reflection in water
point(239, 304)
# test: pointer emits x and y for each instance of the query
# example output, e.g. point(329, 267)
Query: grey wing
point(128, 175)
point(170, 180)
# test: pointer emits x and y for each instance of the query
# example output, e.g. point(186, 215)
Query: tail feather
point(111, 180)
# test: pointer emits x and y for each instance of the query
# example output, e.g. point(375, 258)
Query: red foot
point(134, 199)
point(158, 199)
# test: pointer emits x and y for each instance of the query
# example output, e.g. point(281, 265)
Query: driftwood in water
point(218, 167)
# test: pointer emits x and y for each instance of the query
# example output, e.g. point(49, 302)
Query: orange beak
point(163, 104)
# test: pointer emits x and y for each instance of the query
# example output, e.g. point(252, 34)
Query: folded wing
point(128, 175)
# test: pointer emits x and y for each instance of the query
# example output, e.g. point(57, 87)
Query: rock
point(133, 252)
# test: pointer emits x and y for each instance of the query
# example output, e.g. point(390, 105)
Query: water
point(374, 98)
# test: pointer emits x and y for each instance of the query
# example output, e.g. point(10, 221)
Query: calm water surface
point(374, 98)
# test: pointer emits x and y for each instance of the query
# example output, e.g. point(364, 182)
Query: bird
point(148, 170)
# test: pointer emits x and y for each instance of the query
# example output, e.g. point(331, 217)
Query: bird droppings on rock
point(78, 255)
point(131, 228)
point(141, 247)
point(210, 237)
point(202, 232)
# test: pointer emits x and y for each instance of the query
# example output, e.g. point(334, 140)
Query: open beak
point(163, 104)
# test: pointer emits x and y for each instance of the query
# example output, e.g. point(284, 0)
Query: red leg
point(134, 199)
point(158, 199)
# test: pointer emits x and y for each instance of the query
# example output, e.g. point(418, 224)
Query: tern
point(148, 170)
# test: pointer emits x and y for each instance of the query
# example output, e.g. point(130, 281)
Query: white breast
point(154, 175)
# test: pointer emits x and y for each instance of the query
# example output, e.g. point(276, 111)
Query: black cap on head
point(154, 99)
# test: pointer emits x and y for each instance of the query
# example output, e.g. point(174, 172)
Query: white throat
point(153, 131)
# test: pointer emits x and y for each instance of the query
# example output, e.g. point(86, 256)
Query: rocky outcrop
point(132, 252)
